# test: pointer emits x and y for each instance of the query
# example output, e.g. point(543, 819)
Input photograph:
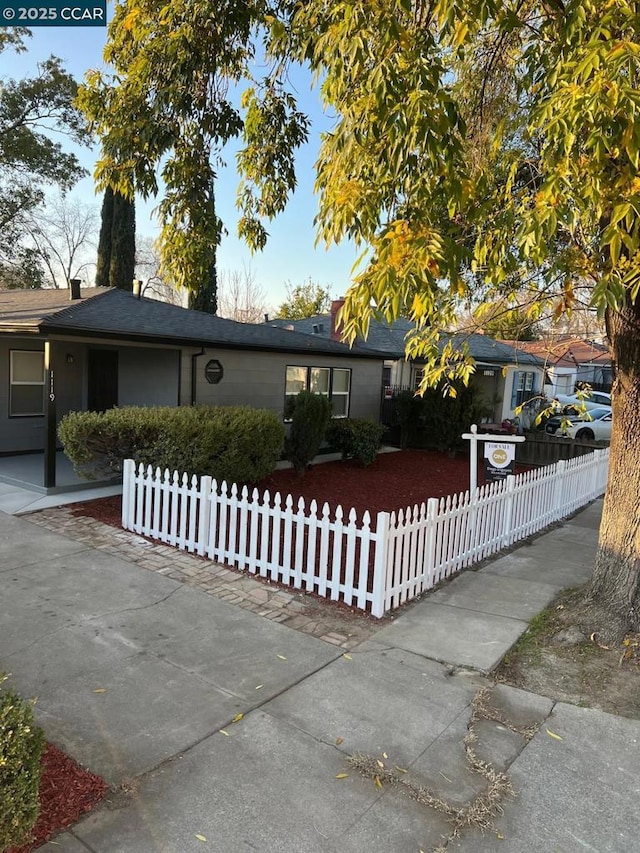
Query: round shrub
point(21, 746)
point(356, 438)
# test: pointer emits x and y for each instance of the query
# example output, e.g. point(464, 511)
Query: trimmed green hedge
point(21, 746)
point(238, 444)
point(356, 438)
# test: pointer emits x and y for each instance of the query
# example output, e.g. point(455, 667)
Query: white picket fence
point(374, 567)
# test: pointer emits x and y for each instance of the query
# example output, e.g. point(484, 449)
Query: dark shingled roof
point(111, 313)
point(391, 340)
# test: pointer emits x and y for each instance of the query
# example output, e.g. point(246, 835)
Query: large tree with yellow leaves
point(477, 144)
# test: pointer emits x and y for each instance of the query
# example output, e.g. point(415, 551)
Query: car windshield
point(596, 414)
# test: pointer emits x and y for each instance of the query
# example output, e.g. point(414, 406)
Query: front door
point(102, 392)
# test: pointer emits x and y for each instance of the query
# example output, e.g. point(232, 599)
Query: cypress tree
point(205, 298)
point(104, 241)
point(123, 243)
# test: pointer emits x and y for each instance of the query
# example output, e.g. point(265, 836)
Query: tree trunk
point(613, 595)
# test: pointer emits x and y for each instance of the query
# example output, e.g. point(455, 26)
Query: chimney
point(336, 305)
point(137, 287)
point(266, 318)
point(74, 288)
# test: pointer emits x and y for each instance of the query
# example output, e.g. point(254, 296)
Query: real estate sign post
point(499, 454)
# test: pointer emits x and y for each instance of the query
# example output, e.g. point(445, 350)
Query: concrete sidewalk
point(173, 667)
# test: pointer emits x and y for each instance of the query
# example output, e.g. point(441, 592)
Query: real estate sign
point(499, 460)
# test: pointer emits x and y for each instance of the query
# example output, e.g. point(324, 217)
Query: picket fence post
point(128, 492)
point(380, 564)
point(430, 543)
point(558, 489)
point(507, 522)
point(204, 514)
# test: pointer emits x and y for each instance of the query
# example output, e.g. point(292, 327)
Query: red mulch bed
point(66, 793)
point(394, 481)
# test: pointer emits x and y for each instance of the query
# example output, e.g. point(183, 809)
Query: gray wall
point(17, 433)
point(146, 377)
point(150, 376)
point(258, 379)
point(27, 433)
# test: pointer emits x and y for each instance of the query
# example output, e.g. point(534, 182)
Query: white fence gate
point(374, 567)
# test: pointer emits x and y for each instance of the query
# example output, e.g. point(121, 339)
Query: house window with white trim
point(340, 388)
point(26, 383)
point(332, 382)
point(524, 387)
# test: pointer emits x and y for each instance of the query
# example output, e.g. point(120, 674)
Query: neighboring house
point(570, 362)
point(505, 376)
point(110, 347)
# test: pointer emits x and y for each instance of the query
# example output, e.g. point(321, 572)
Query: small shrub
point(234, 443)
point(310, 415)
point(21, 746)
point(357, 438)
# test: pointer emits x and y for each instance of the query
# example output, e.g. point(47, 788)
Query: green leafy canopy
point(475, 144)
point(33, 111)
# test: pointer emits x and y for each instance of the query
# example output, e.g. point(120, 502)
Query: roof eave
point(50, 328)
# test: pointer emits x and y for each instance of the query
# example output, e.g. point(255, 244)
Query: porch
point(27, 471)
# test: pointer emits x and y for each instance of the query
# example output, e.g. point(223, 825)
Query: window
point(340, 392)
point(26, 396)
point(332, 382)
point(524, 387)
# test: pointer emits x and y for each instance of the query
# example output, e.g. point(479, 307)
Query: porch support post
point(49, 419)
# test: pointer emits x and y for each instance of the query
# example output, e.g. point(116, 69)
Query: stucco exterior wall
point(148, 377)
point(258, 379)
point(17, 433)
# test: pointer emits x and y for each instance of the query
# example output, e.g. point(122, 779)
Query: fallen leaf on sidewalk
point(237, 718)
point(384, 755)
point(282, 657)
point(225, 733)
point(376, 779)
point(100, 690)
point(339, 740)
point(342, 775)
point(200, 837)
point(347, 657)
point(553, 735)
point(260, 686)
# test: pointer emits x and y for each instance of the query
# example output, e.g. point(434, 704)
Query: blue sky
point(290, 254)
